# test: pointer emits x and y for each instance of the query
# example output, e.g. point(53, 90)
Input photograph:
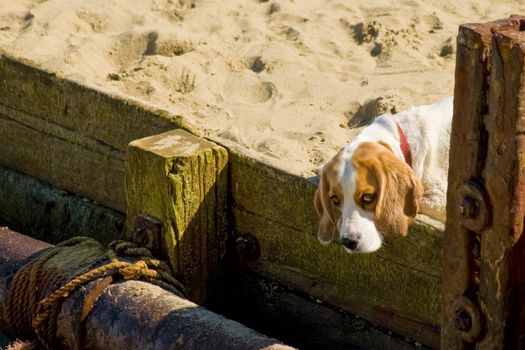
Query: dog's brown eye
point(368, 198)
point(335, 200)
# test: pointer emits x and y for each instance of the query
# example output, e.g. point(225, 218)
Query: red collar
point(405, 148)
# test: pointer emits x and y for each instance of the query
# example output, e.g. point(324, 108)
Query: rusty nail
point(462, 320)
point(247, 247)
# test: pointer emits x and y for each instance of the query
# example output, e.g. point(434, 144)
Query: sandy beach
point(288, 82)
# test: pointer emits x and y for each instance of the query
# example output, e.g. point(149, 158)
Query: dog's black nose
point(349, 243)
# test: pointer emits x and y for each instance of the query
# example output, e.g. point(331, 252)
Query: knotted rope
point(37, 290)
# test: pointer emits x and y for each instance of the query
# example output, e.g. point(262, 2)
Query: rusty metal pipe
point(15, 247)
point(133, 314)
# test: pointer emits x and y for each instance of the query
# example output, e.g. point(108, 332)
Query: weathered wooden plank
point(297, 318)
point(181, 180)
point(398, 288)
point(110, 118)
point(47, 213)
point(58, 156)
point(468, 151)
point(68, 134)
point(502, 246)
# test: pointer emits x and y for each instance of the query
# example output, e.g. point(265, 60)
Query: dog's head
point(375, 191)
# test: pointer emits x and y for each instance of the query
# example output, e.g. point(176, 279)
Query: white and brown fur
point(376, 191)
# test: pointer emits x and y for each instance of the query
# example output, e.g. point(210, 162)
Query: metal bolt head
point(462, 320)
point(472, 208)
point(148, 233)
point(469, 208)
point(247, 247)
point(466, 318)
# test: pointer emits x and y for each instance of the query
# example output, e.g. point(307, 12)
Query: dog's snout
point(349, 243)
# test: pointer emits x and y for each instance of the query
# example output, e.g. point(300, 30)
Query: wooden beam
point(53, 215)
point(62, 157)
point(502, 282)
point(486, 196)
point(468, 148)
point(299, 319)
point(181, 180)
point(71, 135)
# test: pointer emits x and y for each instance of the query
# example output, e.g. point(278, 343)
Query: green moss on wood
point(109, 118)
point(69, 134)
point(181, 180)
point(52, 215)
point(62, 157)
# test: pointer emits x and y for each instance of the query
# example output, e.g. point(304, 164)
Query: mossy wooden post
point(181, 180)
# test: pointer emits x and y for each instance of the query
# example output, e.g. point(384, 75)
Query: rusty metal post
point(14, 248)
point(484, 202)
point(132, 314)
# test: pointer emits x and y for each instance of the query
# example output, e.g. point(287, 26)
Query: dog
point(394, 168)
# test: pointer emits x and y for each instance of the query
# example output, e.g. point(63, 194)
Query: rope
point(36, 291)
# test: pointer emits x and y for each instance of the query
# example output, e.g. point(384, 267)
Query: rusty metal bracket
point(473, 208)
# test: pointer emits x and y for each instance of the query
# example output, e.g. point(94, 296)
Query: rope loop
point(37, 290)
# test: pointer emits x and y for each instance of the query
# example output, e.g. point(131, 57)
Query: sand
point(286, 81)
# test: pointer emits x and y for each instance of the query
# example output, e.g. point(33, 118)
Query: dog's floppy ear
point(399, 195)
point(325, 210)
